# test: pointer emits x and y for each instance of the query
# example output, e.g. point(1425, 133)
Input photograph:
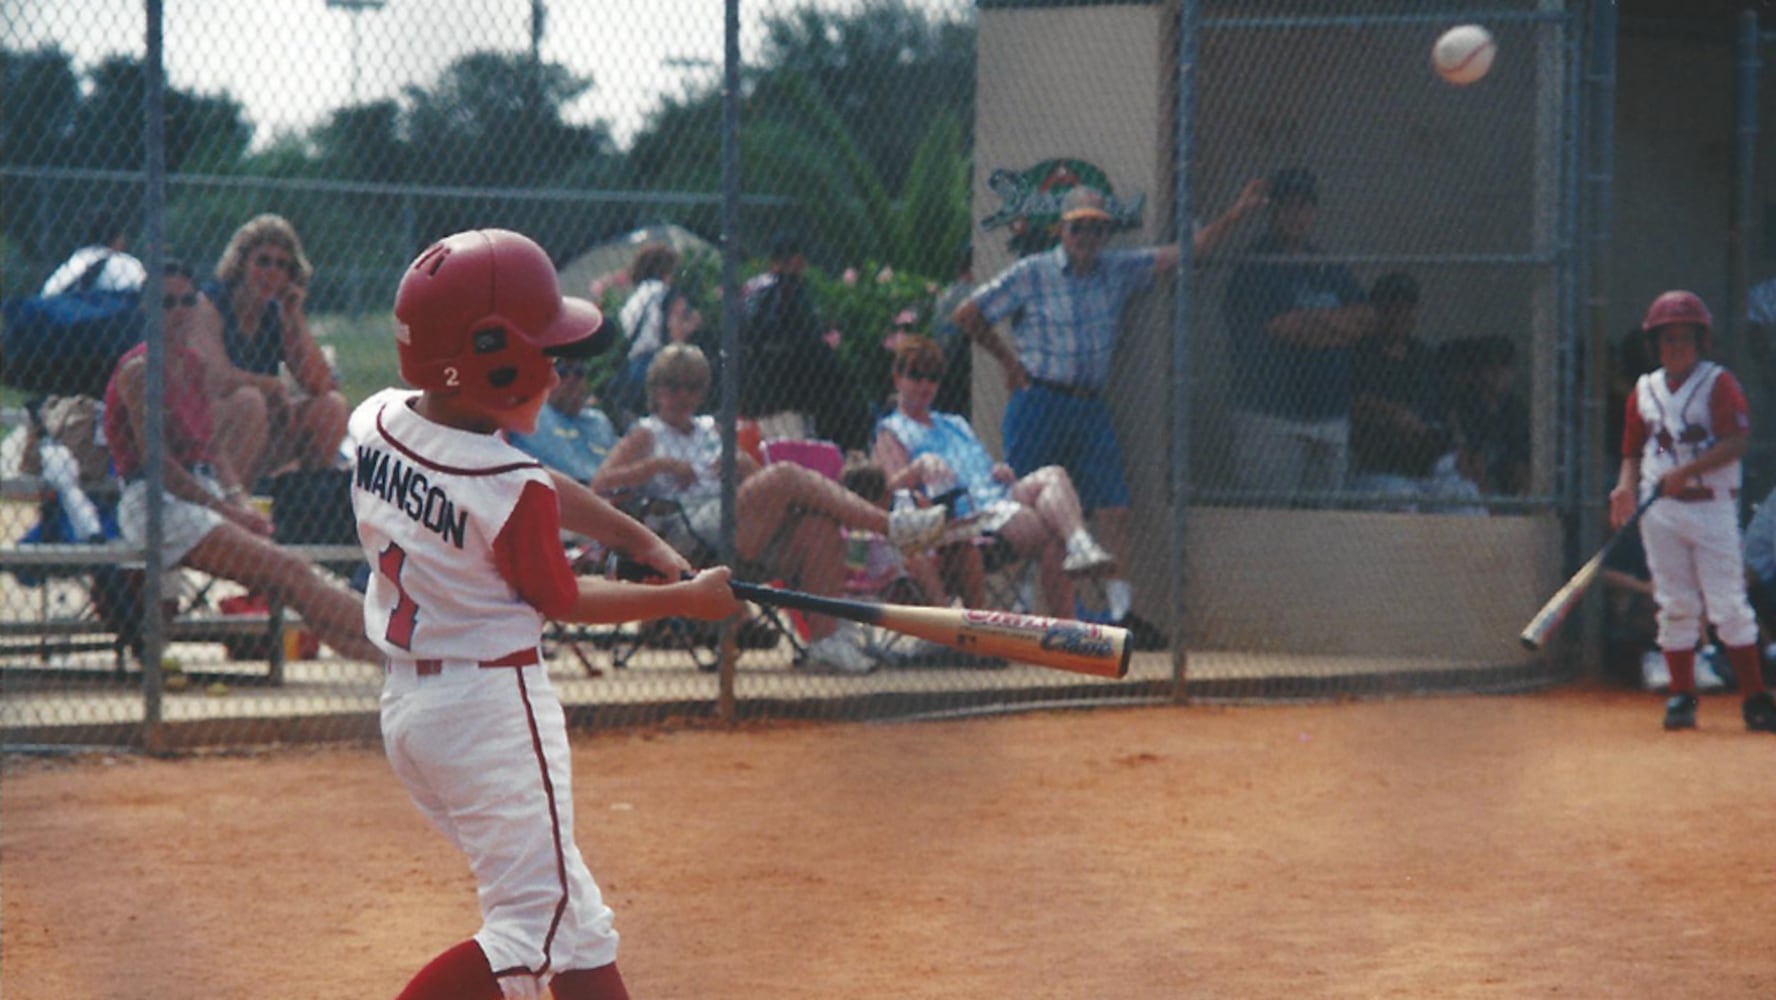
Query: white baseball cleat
point(912, 529)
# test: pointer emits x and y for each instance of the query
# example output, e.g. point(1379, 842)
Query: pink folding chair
point(823, 457)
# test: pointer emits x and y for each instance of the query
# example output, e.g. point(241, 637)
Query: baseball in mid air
point(1463, 54)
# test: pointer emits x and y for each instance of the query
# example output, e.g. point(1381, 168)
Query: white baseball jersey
point(1680, 426)
point(462, 531)
point(431, 501)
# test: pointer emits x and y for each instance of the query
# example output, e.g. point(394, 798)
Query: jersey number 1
point(406, 613)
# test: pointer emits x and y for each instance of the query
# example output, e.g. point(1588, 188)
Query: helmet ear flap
point(503, 366)
point(493, 341)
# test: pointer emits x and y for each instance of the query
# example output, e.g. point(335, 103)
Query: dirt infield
point(1555, 844)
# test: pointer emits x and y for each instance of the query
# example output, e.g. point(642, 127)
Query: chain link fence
point(900, 166)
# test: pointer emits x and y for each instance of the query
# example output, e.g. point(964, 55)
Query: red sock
point(462, 973)
point(1682, 664)
point(1748, 668)
point(602, 983)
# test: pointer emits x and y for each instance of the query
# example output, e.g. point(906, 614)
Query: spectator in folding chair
point(1039, 515)
point(206, 522)
point(787, 516)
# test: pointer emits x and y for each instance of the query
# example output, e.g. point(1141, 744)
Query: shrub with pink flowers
point(872, 306)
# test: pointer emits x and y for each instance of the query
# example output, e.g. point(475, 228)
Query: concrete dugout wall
point(1096, 82)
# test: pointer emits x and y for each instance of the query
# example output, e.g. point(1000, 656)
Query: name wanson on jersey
point(394, 482)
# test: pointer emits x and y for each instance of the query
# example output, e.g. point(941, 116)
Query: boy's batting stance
point(464, 532)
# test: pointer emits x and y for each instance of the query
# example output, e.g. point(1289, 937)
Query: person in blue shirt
point(571, 436)
point(1065, 309)
point(1293, 320)
point(1037, 515)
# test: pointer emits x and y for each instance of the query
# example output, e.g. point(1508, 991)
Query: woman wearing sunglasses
point(255, 321)
point(1038, 515)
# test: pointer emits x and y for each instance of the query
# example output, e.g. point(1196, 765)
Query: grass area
point(364, 348)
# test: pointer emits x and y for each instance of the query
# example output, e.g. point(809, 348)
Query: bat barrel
point(1081, 647)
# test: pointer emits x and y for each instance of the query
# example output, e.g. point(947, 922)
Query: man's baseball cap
point(1293, 182)
point(1084, 203)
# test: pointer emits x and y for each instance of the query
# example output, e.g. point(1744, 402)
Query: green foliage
point(930, 222)
point(859, 118)
point(886, 69)
point(868, 306)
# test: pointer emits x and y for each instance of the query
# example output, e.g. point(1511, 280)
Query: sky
point(290, 61)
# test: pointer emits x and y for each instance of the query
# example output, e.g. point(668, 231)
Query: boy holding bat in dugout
point(464, 531)
point(1687, 427)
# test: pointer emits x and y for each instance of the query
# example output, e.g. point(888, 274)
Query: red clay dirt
point(1552, 844)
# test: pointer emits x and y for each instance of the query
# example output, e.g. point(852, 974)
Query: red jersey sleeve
point(1727, 407)
point(529, 555)
point(1634, 429)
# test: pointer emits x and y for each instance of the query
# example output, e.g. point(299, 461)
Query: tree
point(363, 143)
point(862, 118)
point(42, 97)
point(886, 69)
point(495, 119)
point(36, 120)
point(48, 122)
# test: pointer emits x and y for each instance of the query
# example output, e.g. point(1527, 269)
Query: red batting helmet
point(480, 313)
point(1679, 307)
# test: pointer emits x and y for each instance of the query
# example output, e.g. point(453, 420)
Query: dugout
point(1593, 167)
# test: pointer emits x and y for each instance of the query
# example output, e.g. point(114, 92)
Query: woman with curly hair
point(252, 320)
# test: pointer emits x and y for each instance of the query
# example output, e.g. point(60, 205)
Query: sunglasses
point(175, 301)
point(672, 385)
point(1088, 228)
point(267, 260)
point(923, 374)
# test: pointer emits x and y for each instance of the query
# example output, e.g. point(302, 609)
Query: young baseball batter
point(1687, 427)
point(464, 533)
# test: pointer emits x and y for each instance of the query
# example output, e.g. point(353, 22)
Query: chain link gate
point(890, 153)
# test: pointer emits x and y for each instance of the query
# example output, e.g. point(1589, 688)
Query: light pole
point(355, 7)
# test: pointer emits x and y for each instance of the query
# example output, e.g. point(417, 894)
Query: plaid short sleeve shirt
point(1063, 324)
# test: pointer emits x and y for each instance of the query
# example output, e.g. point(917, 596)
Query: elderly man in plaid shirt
point(1065, 307)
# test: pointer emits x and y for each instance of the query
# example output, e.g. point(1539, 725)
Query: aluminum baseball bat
point(1536, 633)
point(1059, 643)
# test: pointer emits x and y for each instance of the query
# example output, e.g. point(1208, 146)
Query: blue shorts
point(1044, 427)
